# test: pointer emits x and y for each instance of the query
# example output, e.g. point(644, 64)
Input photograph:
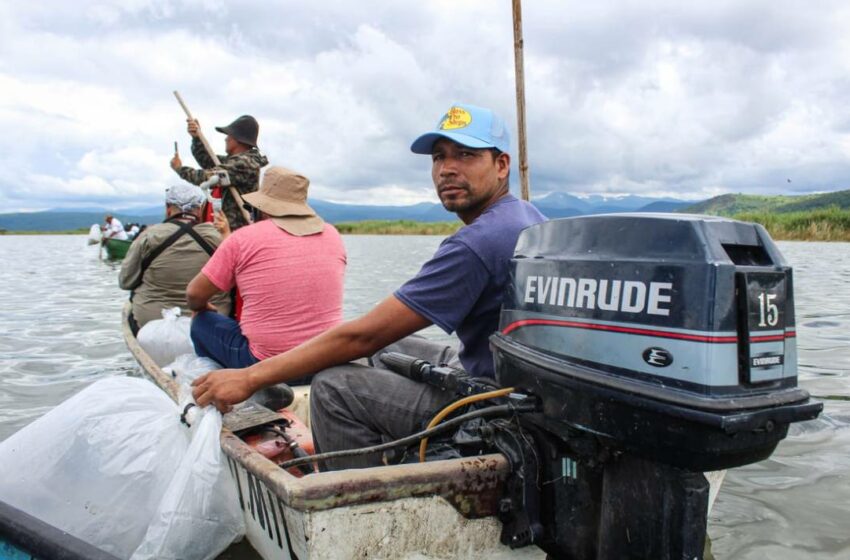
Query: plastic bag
point(199, 515)
point(165, 339)
point(95, 235)
point(188, 367)
point(114, 467)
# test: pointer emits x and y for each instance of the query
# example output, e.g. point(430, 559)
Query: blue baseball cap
point(468, 125)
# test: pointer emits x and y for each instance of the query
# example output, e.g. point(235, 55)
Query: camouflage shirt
point(244, 172)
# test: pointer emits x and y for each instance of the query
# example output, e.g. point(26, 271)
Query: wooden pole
point(237, 197)
point(201, 136)
point(520, 100)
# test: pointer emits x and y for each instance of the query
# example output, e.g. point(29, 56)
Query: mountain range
point(732, 204)
point(553, 205)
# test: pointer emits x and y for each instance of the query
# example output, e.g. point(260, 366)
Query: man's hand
point(193, 127)
point(222, 388)
point(221, 224)
point(176, 163)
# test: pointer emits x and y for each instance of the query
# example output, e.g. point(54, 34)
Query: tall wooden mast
point(520, 99)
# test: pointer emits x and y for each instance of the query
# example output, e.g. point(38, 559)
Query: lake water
point(60, 330)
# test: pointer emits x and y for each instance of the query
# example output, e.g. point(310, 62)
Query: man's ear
point(503, 161)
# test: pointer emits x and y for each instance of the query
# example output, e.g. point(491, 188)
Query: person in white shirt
point(114, 229)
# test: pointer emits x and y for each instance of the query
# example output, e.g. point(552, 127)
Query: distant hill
point(62, 221)
point(562, 205)
point(664, 206)
point(732, 204)
point(553, 205)
point(840, 199)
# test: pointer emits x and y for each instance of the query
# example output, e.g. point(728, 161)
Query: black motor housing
point(671, 337)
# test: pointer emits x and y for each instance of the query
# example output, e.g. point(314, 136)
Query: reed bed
point(398, 227)
point(830, 224)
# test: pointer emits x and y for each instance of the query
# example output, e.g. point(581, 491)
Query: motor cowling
point(658, 347)
point(671, 337)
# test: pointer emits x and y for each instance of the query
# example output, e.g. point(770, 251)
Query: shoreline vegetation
point(830, 224)
point(397, 227)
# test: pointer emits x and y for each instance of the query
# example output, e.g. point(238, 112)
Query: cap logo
point(455, 118)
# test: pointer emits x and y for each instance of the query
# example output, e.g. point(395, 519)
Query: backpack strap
point(200, 240)
point(182, 229)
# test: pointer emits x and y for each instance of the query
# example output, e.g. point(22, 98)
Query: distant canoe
point(116, 249)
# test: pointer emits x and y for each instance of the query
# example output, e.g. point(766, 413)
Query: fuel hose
point(423, 445)
point(498, 410)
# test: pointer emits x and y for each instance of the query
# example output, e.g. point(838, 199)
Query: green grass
point(398, 227)
point(830, 224)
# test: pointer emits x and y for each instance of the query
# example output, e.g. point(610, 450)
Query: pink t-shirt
point(291, 286)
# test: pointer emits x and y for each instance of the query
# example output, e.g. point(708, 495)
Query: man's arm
point(194, 176)
point(201, 155)
point(199, 292)
point(389, 321)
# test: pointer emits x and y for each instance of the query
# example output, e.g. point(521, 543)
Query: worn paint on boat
point(440, 509)
point(116, 249)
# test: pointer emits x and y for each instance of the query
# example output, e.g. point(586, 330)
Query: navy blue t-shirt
point(461, 288)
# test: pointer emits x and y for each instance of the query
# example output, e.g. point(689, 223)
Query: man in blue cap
point(459, 289)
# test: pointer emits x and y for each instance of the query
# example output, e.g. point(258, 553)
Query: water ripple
point(59, 331)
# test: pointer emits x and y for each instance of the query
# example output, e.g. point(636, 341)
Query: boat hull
point(440, 509)
point(22, 536)
point(116, 249)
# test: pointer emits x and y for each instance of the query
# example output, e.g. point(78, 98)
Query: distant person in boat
point(114, 229)
point(165, 257)
point(459, 289)
point(289, 268)
point(242, 163)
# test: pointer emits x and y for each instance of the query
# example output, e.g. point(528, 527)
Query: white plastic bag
point(199, 515)
point(95, 235)
point(114, 467)
point(165, 339)
point(188, 367)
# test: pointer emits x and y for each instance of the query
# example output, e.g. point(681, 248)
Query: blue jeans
point(220, 338)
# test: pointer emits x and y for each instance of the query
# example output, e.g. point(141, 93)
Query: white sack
point(188, 367)
point(95, 235)
point(113, 465)
point(165, 339)
point(199, 515)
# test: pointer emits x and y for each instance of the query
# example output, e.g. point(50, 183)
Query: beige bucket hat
point(283, 196)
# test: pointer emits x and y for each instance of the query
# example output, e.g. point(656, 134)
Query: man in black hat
point(242, 163)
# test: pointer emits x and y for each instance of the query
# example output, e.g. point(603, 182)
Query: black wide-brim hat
point(244, 129)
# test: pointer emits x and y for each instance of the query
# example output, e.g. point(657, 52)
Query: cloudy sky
point(659, 98)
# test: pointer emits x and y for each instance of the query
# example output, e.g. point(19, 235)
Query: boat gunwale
point(472, 485)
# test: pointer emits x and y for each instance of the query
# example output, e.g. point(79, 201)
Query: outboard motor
point(659, 347)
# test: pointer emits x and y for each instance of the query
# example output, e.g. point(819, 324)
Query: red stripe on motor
point(768, 338)
point(628, 330)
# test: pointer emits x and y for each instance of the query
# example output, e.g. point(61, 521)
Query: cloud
point(653, 97)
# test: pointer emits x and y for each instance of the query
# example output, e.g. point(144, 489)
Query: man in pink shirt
point(288, 267)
